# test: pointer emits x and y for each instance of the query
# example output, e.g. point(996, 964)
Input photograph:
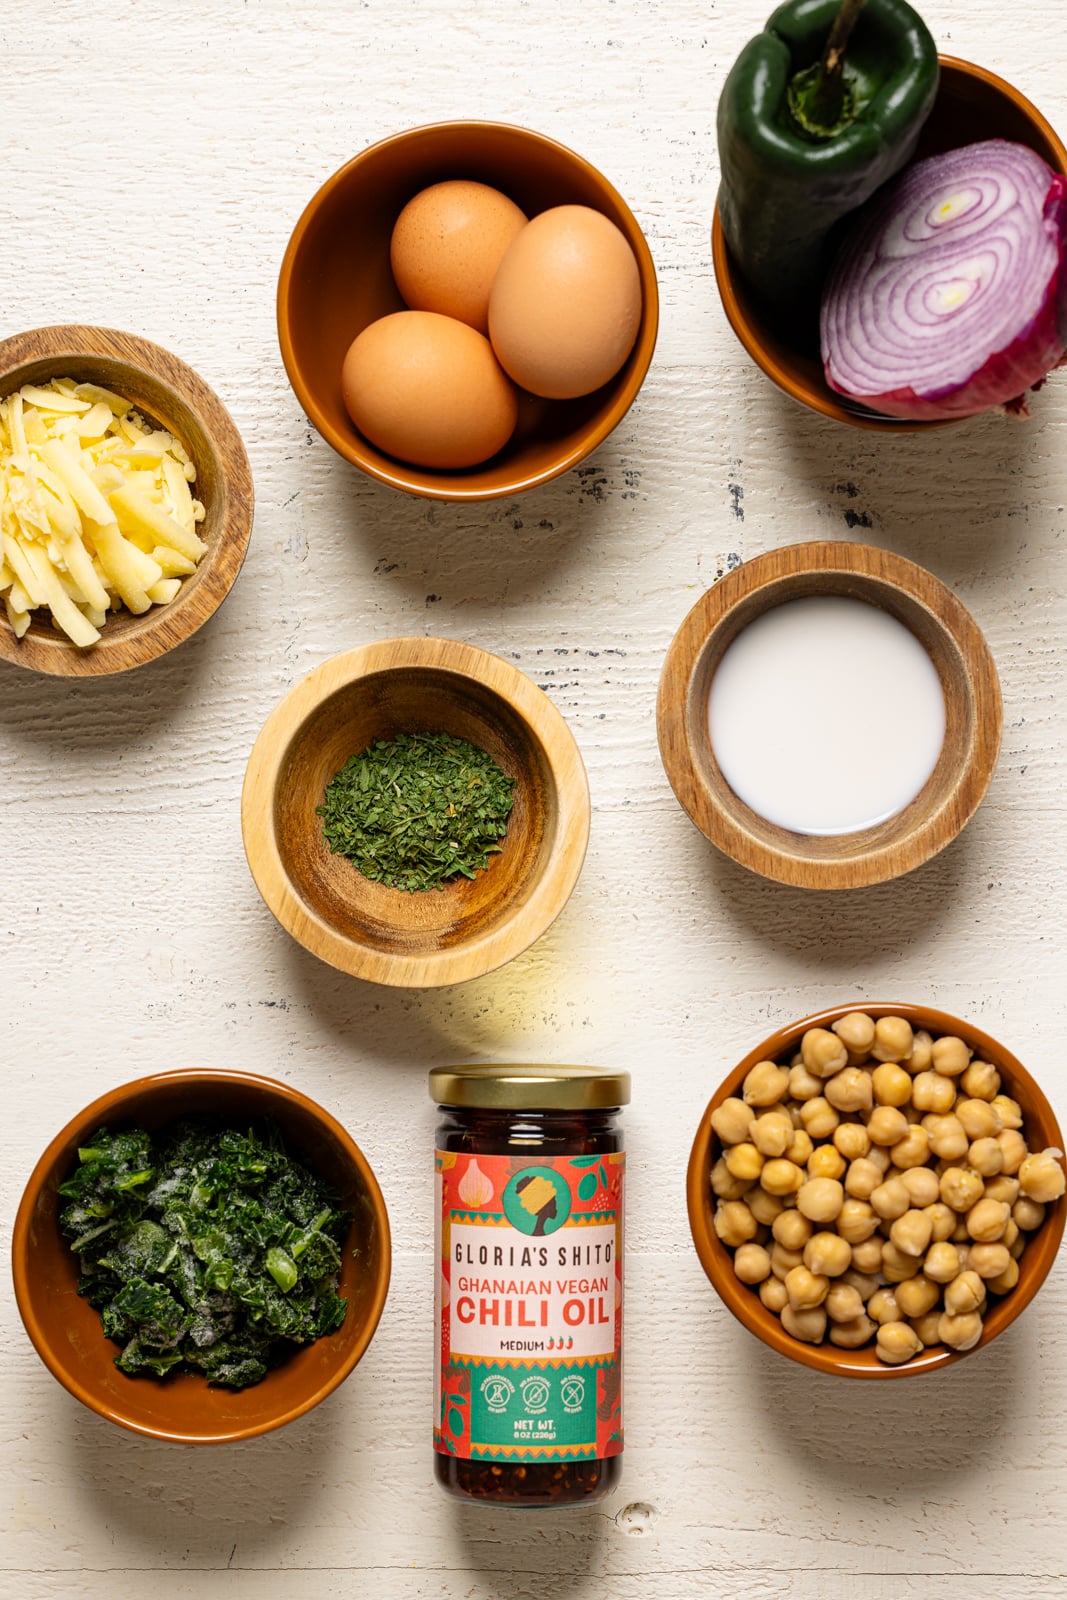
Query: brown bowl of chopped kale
point(201, 1255)
point(416, 812)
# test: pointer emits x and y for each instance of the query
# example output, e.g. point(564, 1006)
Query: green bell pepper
point(784, 186)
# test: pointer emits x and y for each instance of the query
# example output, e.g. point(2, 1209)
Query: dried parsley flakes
point(416, 811)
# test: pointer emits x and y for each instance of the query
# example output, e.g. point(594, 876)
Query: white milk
point(826, 715)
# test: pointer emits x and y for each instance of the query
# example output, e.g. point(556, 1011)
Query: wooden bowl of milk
point(829, 715)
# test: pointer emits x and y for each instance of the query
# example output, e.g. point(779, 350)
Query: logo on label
point(573, 1392)
point(537, 1201)
point(535, 1393)
point(497, 1392)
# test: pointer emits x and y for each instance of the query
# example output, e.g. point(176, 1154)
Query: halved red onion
point(950, 295)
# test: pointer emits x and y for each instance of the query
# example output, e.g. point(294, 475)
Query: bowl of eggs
point(877, 1190)
point(466, 310)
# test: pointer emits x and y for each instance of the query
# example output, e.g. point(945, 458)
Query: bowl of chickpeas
point(877, 1190)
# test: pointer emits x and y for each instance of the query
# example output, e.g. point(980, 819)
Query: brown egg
point(566, 303)
point(429, 390)
point(447, 245)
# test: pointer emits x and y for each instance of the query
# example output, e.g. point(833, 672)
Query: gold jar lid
point(507, 1087)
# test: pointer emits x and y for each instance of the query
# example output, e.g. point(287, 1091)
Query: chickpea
point(879, 1154)
point(911, 1233)
point(961, 1188)
point(724, 1184)
point(919, 1060)
point(987, 1220)
point(851, 1089)
point(1005, 1280)
point(986, 1157)
point(926, 1326)
point(1018, 1247)
point(980, 1119)
point(989, 1260)
point(1041, 1177)
point(843, 1303)
point(772, 1293)
point(827, 1255)
point(1013, 1149)
point(960, 1332)
point(824, 1053)
point(791, 1230)
point(950, 1056)
point(856, 1221)
point(1029, 1214)
point(772, 1133)
point(1009, 1110)
point(882, 1306)
point(893, 1039)
point(891, 1199)
point(781, 1177)
point(851, 1139)
point(886, 1125)
point(802, 1148)
point(959, 1235)
point(948, 1137)
point(981, 1081)
point(763, 1206)
point(964, 1294)
point(942, 1220)
point(731, 1121)
point(862, 1178)
point(826, 1162)
point(921, 1184)
point(765, 1084)
point(803, 1085)
point(913, 1150)
point(821, 1199)
point(917, 1296)
point(808, 1325)
point(752, 1264)
point(734, 1223)
point(942, 1262)
point(891, 1085)
point(744, 1161)
point(1010, 1234)
point(818, 1117)
point(867, 1256)
point(896, 1343)
point(1002, 1188)
point(898, 1264)
point(783, 1261)
point(856, 1031)
point(933, 1092)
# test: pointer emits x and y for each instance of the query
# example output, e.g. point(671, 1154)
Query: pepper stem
point(820, 101)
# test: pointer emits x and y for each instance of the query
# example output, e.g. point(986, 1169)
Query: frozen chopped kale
point(204, 1249)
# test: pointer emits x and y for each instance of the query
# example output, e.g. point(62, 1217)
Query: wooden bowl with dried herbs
point(416, 812)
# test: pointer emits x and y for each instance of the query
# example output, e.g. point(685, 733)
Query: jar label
point(529, 1307)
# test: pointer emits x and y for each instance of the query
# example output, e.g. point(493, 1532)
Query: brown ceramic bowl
point(1039, 1127)
point(168, 392)
point(66, 1329)
point(968, 676)
point(971, 104)
point(335, 279)
point(469, 926)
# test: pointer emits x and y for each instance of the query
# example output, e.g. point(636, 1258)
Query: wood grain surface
point(156, 158)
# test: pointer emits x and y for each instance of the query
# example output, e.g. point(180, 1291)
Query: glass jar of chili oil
point(528, 1314)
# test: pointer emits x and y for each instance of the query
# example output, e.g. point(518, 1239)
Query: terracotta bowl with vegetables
point(415, 812)
point(877, 1190)
point(249, 1255)
point(972, 105)
point(128, 501)
point(342, 318)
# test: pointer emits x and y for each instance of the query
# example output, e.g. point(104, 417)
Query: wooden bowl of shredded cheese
point(125, 501)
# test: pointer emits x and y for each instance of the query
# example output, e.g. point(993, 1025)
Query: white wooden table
point(155, 158)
